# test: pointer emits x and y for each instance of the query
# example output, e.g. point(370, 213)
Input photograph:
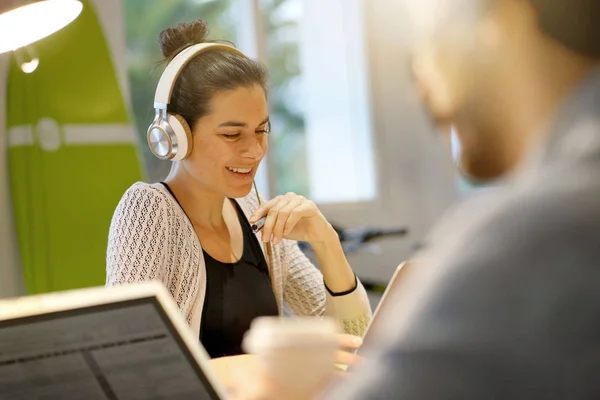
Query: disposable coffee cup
point(296, 352)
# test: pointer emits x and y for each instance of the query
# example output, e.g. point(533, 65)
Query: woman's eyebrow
point(240, 124)
point(234, 123)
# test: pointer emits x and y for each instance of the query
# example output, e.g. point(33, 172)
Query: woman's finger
point(272, 216)
point(305, 209)
point(347, 341)
point(264, 209)
point(345, 358)
point(283, 218)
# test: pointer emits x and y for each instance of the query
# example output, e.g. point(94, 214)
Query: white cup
point(296, 352)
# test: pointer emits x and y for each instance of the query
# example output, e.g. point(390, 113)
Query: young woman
point(193, 231)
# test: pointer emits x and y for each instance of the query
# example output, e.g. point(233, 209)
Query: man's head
point(497, 69)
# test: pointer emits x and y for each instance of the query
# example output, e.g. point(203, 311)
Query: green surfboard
point(72, 153)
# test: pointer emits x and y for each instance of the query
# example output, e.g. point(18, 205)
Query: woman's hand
point(252, 382)
point(346, 357)
point(226, 368)
point(293, 217)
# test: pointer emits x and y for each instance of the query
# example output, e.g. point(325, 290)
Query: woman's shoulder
point(142, 197)
point(147, 191)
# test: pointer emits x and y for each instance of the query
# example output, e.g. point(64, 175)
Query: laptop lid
point(127, 342)
point(377, 320)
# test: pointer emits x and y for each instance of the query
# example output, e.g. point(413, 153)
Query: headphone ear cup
point(183, 134)
point(159, 141)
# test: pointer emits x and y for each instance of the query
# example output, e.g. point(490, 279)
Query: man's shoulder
point(558, 213)
point(527, 231)
point(512, 271)
point(563, 195)
point(560, 196)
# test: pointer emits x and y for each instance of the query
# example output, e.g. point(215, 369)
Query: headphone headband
point(165, 86)
point(169, 136)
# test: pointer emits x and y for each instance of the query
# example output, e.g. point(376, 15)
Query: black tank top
point(236, 293)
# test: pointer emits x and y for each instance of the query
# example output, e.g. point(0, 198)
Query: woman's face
point(230, 142)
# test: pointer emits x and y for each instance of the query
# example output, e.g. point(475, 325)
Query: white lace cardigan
point(151, 238)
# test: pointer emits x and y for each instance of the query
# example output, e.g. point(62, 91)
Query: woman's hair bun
point(173, 40)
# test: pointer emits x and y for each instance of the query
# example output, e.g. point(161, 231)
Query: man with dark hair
point(508, 306)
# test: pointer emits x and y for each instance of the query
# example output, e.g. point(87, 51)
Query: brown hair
point(574, 23)
point(209, 72)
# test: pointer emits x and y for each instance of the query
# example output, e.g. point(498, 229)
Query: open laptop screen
point(123, 350)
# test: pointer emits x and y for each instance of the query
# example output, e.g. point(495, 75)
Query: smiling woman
point(229, 143)
point(192, 231)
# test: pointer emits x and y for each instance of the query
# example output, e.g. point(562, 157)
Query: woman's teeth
point(240, 170)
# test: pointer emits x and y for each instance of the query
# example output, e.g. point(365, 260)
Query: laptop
point(122, 343)
point(377, 318)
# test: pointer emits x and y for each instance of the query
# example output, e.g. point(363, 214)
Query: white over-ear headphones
point(169, 136)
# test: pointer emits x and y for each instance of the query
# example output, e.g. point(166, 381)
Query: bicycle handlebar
point(365, 235)
point(354, 239)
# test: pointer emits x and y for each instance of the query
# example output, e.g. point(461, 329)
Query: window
point(288, 139)
point(321, 142)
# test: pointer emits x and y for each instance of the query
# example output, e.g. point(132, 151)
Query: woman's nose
point(253, 146)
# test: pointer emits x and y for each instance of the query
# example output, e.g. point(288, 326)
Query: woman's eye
point(231, 135)
point(266, 129)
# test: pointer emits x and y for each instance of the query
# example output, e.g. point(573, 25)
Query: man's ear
point(433, 86)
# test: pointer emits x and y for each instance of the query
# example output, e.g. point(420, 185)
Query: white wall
point(422, 158)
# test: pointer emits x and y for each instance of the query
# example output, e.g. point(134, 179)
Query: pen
point(258, 225)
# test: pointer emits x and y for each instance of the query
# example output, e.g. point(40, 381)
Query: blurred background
point(347, 129)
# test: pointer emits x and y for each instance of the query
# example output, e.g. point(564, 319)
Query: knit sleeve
point(304, 290)
point(138, 238)
point(305, 293)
